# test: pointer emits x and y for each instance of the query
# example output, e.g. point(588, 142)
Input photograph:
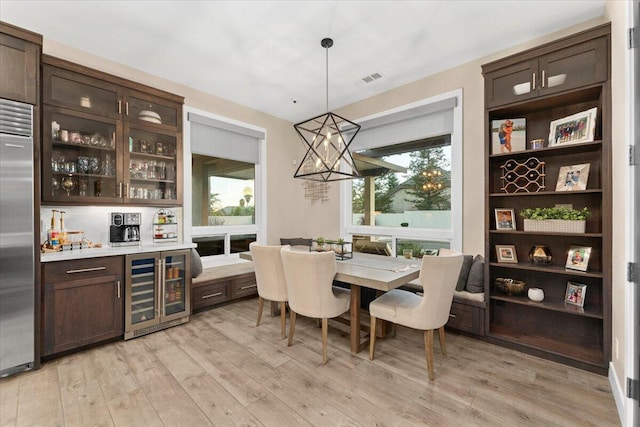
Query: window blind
point(215, 138)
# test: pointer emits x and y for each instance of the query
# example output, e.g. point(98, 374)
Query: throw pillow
point(475, 281)
point(196, 264)
point(464, 272)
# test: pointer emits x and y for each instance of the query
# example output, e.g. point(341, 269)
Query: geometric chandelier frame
point(327, 138)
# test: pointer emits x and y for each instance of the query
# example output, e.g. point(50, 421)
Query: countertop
point(113, 251)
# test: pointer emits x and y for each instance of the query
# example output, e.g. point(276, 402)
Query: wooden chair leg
point(428, 346)
point(283, 318)
point(260, 307)
point(325, 328)
point(292, 326)
point(443, 341)
point(372, 338)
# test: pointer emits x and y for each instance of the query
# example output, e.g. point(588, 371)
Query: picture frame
point(575, 294)
point(573, 129)
point(506, 254)
point(508, 135)
point(578, 258)
point(505, 219)
point(573, 178)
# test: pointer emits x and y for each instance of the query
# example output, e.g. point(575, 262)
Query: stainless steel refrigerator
point(17, 264)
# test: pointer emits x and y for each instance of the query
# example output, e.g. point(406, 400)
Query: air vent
point(372, 77)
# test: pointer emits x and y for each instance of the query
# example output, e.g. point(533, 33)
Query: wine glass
point(55, 186)
point(68, 184)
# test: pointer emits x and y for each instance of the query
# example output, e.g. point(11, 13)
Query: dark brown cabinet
point(579, 336)
point(212, 288)
point(570, 64)
point(19, 64)
point(83, 302)
point(108, 140)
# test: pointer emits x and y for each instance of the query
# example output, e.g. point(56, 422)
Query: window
point(225, 176)
point(410, 195)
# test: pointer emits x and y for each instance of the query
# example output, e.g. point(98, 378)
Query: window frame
point(259, 196)
point(453, 236)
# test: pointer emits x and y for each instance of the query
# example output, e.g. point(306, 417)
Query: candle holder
point(540, 254)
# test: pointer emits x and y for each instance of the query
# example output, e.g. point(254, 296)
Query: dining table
point(358, 270)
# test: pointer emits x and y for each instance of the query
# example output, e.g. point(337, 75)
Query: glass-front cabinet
point(104, 142)
point(156, 291)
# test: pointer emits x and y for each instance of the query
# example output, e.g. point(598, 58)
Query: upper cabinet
point(108, 140)
point(563, 66)
point(19, 64)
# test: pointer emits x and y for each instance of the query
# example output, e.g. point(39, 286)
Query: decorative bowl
point(535, 294)
point(150, 116)
point(510, 286)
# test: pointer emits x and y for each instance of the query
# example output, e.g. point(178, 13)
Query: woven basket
point(510, 286)
point(555, 225)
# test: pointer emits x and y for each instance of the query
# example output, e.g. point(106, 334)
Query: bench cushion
point(220, 271)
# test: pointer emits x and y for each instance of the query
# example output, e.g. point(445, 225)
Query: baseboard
point(618, 394)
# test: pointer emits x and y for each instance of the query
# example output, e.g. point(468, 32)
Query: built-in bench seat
point(222, 284)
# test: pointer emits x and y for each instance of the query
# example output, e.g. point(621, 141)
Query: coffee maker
point(124, 229)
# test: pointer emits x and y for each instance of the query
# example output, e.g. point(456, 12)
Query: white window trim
point(260, 192)
point(454, 236)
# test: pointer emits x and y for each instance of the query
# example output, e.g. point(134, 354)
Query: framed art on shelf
point(572, 178)
point(508, 135)
point(578, 258)
point(506, 253)
point(505, 219)
point(575, 294)
point(579, 127)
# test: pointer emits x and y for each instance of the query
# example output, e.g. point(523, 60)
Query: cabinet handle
point(118, 289)
point(217, 294)
point(533, 79)
point(119, 106)
point(453, 316)
point(126, 108)
point(85, 270)
point(247, 287)
point(120, 190)
point(543, 78)
point(126, 191)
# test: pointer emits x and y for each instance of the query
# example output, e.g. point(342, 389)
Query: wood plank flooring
point(219, 369)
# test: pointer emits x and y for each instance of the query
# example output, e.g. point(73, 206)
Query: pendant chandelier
point(327, 139)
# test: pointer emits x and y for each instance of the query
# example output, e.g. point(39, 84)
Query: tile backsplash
point(94, 221)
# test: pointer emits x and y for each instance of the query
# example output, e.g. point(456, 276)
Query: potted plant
point(556, 219)
point(321, 242)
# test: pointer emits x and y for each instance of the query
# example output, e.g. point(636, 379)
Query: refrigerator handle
point(159, 287)
point(162, 272)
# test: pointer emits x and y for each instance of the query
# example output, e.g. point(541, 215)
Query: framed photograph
point(578, 258)
point(506, 253)
point(575, 294)
point(571, 178)
point(573, 129)
point(505, 219)
point(508, 135)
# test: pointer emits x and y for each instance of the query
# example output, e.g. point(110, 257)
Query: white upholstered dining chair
point(309, 277)
point(438, 276)
point(270, 280)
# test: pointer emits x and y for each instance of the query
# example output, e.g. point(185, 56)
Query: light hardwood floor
point(219, 369)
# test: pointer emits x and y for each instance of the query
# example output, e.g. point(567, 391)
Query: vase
point(540, 254)
point(535, 294)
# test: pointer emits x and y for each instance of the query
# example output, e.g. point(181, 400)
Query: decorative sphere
point(535, 294)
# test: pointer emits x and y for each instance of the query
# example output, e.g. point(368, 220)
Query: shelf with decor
point(548, 186)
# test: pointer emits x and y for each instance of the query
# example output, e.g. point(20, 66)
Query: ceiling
point(266, 55)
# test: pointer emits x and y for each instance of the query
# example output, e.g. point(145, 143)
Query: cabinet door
point(142, 306)
point(84, 310)
point(574, 67)
point(80, 93)
point(152, 165)
point(19, 61)
point(151, 110)
point(176, 301)
point(80, 157)
point(513, 83)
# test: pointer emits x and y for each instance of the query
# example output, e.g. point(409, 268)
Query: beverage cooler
point(157, 291)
